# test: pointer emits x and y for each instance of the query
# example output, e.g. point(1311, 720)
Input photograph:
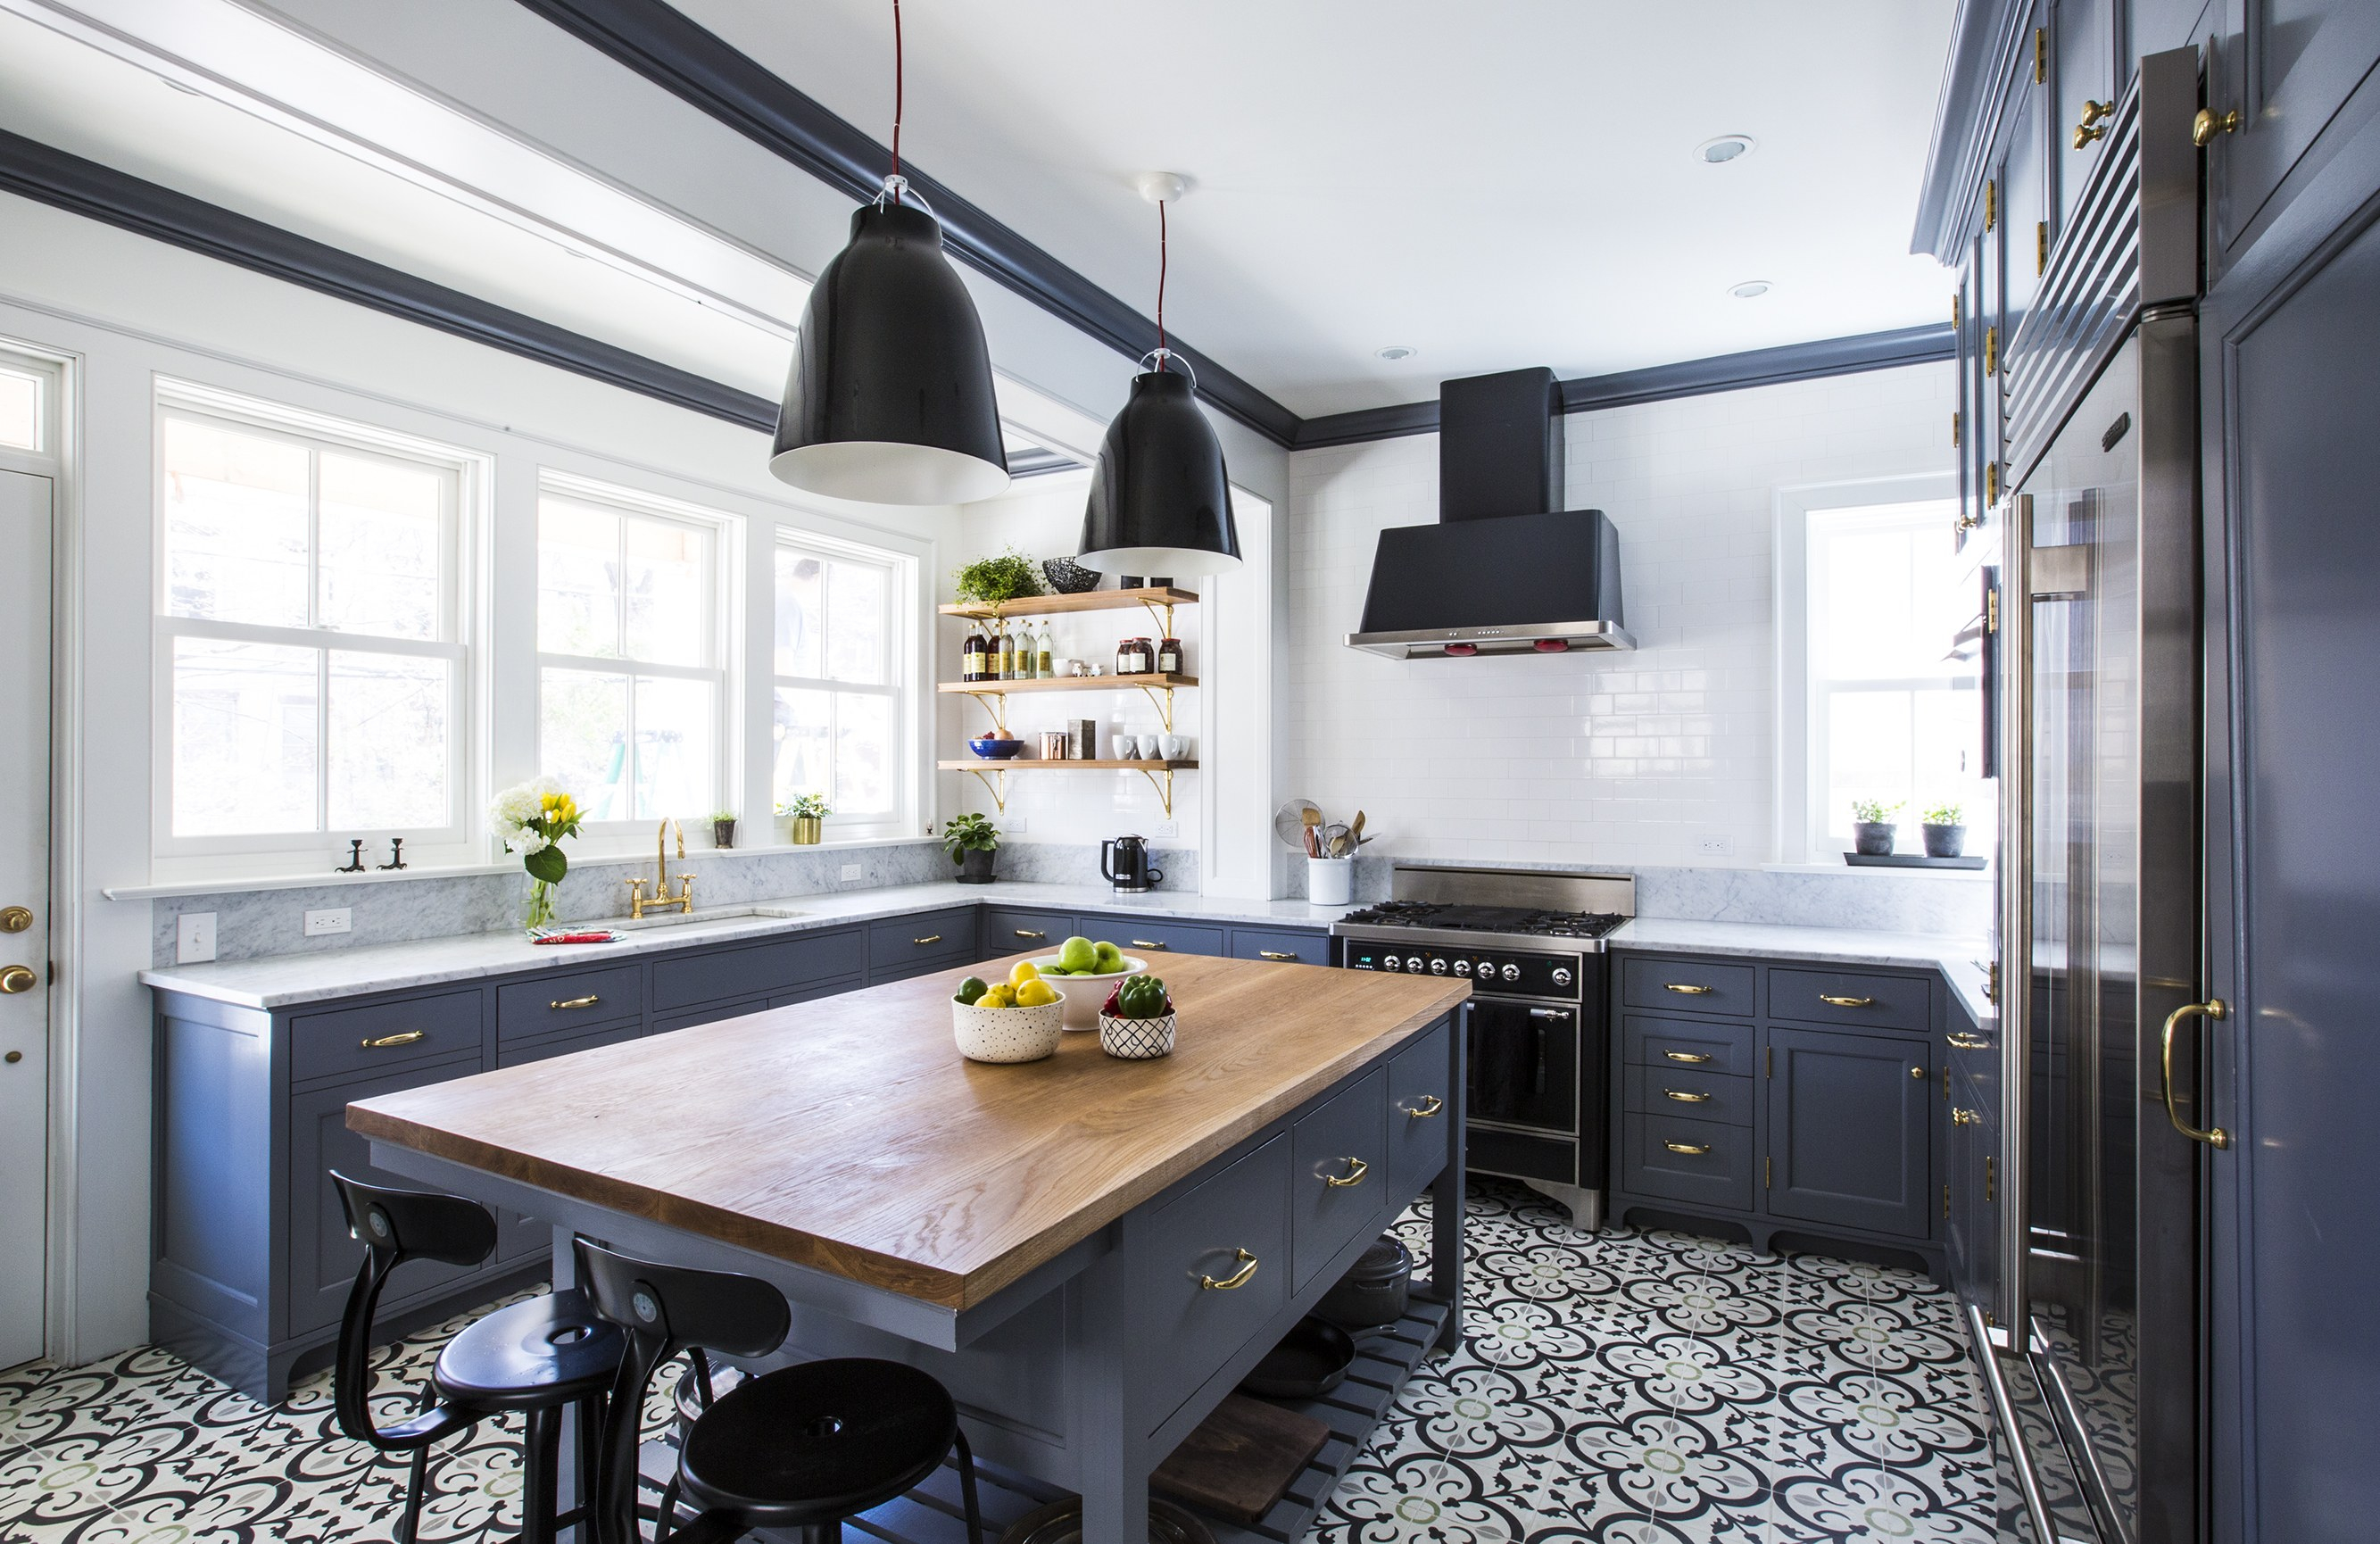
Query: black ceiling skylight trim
point(676, 54)
point(53, 177)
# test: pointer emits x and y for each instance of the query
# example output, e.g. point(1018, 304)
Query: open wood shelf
point(1067, 683)
point(981, 764)
point(1090, 600)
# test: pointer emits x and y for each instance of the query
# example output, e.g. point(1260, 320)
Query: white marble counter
point(289, 979)
point(1958, 958)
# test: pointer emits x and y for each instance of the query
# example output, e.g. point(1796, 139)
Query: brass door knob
point(2085, 131)
point(15, 919)
point(16, 979)
point(2204, 127)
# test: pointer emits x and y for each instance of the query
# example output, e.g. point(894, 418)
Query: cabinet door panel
point(1421, 1106)
point(2081, 71)
point(1339, 1155)
point(2286, 67)
point(1282, 948)
point(1971, 1193)
point(1850, 1130)
point(1007, 930)
point(1231, 1227)
point(1136, 935)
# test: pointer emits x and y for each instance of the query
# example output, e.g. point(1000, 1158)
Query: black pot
point(1873, 838)
point(723, 834)
point(974, 866)
point(1310, 1361)
point(1375, 1292)
point(1945, 841)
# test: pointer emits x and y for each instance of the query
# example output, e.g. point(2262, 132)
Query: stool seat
point(546, 1351)
point(818, 1441)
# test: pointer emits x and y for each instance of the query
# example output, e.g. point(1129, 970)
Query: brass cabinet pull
point(1961, 1040)
point(2203, 129)
point(15, 919)
point(1276, 954)
point(386, 1042)
point(2213, 1136)
point(1356, 1169)
point(1692, 1150)
point(1847, 1001)
point(1428, 1105)
point(1685, 1057)
point(1028, 933)
point(1237, 1279)
point(16, 979)
point(1688, 990)
point(587, 1002)
point(1147, 943)
point(929, 938)
point(1965, 1117)
point(1684, 1098)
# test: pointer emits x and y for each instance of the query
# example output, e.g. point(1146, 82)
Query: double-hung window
point(631, 689)
point(841, 710)
point(312, 669)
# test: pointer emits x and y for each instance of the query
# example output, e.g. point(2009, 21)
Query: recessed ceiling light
point(1396, 351)
point(1749, 289)
point(1726, 148)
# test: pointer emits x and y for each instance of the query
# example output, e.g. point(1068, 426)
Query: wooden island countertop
point(848, 1134)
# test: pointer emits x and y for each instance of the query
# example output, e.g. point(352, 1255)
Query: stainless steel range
point(1532, 946)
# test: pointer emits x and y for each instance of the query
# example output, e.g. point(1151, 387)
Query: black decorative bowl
point(1068, 577)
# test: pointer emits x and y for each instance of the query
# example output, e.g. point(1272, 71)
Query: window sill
point(1839, 866)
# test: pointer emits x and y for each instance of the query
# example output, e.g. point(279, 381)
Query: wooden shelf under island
point(994, 776)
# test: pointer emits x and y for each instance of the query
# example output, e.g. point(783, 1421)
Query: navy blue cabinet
point(1850, 1130)
point(2288, 68)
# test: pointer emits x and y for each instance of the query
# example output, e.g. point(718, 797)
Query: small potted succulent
point(808, 814)
point(971, 840)
point(1873, 826)
point(722, 828)
point(1946, 831)
point(1138, 1021)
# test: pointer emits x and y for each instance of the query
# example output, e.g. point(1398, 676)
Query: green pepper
point(971, 991)
point(1141, 997)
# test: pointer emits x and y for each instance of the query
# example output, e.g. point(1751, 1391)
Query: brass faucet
point(663, 900)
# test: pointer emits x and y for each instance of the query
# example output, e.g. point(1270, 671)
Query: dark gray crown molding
point(1988, 40)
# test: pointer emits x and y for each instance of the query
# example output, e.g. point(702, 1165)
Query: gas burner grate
point(1521, 921)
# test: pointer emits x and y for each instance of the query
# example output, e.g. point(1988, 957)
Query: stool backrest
point(665, 1309)
point(393, 1226)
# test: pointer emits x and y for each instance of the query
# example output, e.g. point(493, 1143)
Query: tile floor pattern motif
point(1623, 1387)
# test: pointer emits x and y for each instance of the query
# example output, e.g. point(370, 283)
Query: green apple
point(1107, 959)
point(1075, 954)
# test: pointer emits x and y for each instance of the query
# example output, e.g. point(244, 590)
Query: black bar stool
point(536, 1356)
point(801, 1449)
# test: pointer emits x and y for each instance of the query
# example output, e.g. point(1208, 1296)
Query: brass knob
point(1964, 1117)
point(2085, 131)
point(13, 1057)
point(2204, 127)
point(16, 979)
point(15, 919)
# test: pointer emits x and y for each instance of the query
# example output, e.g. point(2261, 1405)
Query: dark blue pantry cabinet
point(251, 1259)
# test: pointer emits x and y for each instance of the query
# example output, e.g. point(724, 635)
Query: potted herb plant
point(971, 840)
point(1946, 831)
point(809, 815)
point(990, 580)
point(1873, 826)
point(722, 828)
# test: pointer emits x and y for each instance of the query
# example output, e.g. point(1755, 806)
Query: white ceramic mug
point(1176, 747)
point(1127, 746)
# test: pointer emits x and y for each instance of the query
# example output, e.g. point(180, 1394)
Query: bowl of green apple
point(1085, 972)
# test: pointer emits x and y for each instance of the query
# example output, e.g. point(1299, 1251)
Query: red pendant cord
point(1161, 286)
point(896, 88)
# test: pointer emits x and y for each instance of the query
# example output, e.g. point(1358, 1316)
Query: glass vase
point(537, 915)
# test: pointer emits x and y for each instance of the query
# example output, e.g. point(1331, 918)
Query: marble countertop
point(287, 980)
point(1960, 960)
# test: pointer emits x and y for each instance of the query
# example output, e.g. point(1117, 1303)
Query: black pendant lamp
point(1160, 500)
point(890, 398)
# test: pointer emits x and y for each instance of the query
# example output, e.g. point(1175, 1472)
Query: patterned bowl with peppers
point(1138, 1021)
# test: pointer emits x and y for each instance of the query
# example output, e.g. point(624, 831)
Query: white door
point(24, 906)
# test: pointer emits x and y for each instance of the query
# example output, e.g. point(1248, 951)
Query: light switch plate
point(194, 938)
point(1167, 830)
point(339, 919)
point(850, 870)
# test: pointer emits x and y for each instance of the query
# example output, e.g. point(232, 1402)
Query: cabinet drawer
point(580, 1000)
point(1700, 1162)
point(1281, 948)
point(1007, 930)
point(1689, 1095)
point(757, 970)
point(1516, 1156)
point(1852, 998)
point(712, 1012)
point(1682, 1043)
point(1338, 1178)
point(1421, 1107)
point(516, 1055)
point(1135, 935)
point(1232, 1226)
point(1688, 986)
point(384, 1035)
point(900, 947)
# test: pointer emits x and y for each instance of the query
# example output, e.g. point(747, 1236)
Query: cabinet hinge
point(1945, 1201)
point(1955, 315)
point(2040, 55)
point(2041, 248)
point(1991, 482)
point(1954, 430)
point(1768, 1061)
point(1946, 1084)
point(1992, 977)
point(1991, 1178)
point(1991, 350)
point(1767, 1174)
point(1991, 203)
point(1992, 614)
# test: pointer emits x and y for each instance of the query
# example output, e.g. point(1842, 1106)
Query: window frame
point(48, 376)
point(464, 476)
point(720, 637)
point(899, 686)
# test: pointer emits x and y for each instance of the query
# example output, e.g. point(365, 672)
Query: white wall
point(1628, 758)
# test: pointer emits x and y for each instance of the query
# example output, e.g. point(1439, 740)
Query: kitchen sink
point(701, 914)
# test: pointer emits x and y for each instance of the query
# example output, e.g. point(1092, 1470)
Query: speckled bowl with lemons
point(1006, 1034)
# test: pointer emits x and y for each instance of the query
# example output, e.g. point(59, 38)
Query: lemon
point(1035, 995)
point(1002, 996)
point(1022, 973)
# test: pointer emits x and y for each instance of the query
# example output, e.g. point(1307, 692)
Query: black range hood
point(1504, 571)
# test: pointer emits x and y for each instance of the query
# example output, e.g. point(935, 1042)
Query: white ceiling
point(1495, 184)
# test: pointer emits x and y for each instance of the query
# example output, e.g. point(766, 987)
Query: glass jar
point(1133, 657)
point(1168, 657)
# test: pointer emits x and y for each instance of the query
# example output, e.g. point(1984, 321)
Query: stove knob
point(1562, 975)
point(1462, 968)
point(1437, 968)
point(1413, 962)
point(1486, 970)
point(1390, 962)
point(1511, 973)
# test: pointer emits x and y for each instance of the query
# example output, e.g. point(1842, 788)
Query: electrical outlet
point(850, 870)
point(339, 919)
point(1013, 824)
point(1167, 830)
point(1714, 846)
point(194, 938)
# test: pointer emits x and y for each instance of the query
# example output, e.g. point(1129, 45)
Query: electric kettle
point(1125, 863)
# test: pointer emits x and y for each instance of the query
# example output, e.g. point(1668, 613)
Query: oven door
point(1523, 1065)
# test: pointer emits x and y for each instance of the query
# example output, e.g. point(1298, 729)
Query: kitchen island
point(1091, 1253)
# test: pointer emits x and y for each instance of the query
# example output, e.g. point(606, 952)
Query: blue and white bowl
point(1136, 1040)
point(993, 749)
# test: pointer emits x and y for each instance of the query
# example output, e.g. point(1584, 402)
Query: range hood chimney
point(1506, 570)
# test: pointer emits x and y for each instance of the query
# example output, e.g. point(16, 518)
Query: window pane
point(805, 739)
point(1868, 753)
point(234, 526)
point(381, 535)
point(20, 410)
point(801, 613)
point(583, 737)
point(854, 639)
point(244, 753)
point(863, 754)
point(577, 580)
point(389, 759)
point(673, 754)
point(669, 592)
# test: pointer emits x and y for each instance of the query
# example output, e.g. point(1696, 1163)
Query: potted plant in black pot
point(722, 828)
point(1946, 831)
point(971, 840)
point(1873, 827)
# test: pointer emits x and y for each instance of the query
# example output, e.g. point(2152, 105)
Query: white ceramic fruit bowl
point(1005, 1034)
point(1136, 1040)
point(1086, 995)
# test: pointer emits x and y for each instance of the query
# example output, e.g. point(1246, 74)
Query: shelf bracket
point(1162, 613)
point(1164, 789)
point(1164, 706)
point(999, 790)
point(996, 704)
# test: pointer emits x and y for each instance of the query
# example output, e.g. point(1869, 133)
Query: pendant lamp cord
point(896, 88)
point(1162, 355)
